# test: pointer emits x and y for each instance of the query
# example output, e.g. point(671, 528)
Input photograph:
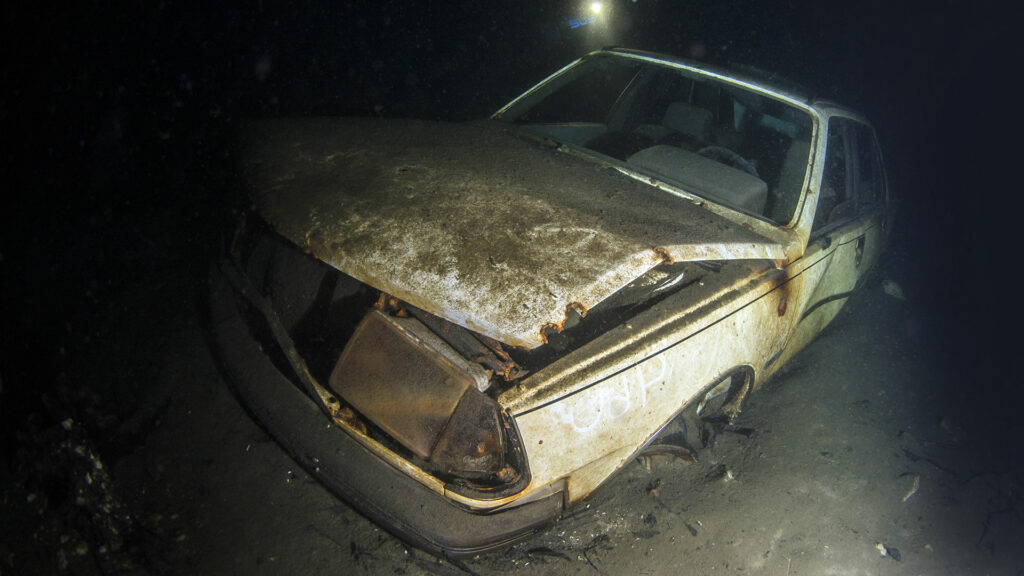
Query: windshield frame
point(732, 82)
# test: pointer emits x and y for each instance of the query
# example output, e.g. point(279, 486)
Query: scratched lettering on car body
point(614, 397)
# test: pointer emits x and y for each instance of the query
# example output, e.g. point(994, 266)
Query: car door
point(849, 224)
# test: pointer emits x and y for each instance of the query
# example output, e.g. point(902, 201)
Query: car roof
point(747, 75)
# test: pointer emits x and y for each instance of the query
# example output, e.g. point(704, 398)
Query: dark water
point(118, 121)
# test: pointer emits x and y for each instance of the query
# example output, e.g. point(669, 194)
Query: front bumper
point(385, 494)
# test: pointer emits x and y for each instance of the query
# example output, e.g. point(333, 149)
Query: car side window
point(852, 182)
point(835, 202)
point(869, 180)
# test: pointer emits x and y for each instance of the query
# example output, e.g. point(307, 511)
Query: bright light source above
point(595, 7)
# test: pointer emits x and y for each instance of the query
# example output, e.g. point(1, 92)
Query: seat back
point(688, 119)
point(786, 194)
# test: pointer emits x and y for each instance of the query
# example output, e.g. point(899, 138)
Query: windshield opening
point(722, 142)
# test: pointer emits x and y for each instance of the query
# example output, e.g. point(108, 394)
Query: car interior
point(718, 141)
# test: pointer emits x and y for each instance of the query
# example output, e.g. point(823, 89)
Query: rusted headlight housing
point(422, 394)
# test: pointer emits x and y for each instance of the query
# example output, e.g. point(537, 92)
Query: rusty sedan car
point(465, 328)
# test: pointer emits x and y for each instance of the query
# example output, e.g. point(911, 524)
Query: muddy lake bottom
point(853, 464)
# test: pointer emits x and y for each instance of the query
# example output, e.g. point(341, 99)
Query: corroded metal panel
point(473, 223)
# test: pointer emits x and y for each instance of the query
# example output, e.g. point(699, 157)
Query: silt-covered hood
point(472, 222)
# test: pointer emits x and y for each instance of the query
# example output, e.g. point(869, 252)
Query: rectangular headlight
point(423, 394)
point(404, 379)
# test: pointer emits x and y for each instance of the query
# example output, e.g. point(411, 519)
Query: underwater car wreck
point(464, 328)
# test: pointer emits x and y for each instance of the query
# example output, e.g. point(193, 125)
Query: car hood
point(487, 228)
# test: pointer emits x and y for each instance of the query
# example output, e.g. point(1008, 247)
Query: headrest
point(688, 119)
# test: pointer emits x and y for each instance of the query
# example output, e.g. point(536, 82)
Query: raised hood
point(471, 222)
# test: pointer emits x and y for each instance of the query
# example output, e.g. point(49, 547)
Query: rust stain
point(391, 305)
point(435, 321)
point(504, 366)
point(558, 327)
point(549, 327)
point(507, 474)
point(348, 416)
point(662, 253)
point(578, 307)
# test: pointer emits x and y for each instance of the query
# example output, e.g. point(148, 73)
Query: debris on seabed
point(888, 551)
point(673, 450)
point(720, 472)
point(913, 488)
point(893, 289)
